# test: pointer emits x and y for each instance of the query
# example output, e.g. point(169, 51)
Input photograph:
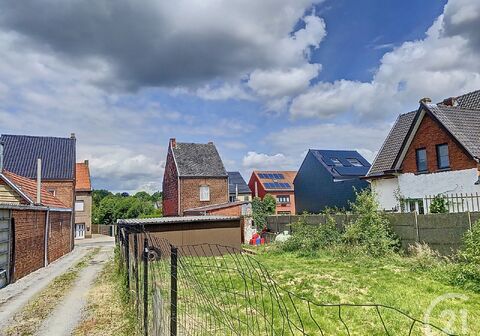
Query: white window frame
point(82, 202)
point(204, 193)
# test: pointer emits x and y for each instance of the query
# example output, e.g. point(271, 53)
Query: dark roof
point(461, 120)
point(346, 170)
point(58, 156)
point(391, 147)
point(236, 179)
point(176, 220)
point(198, 160)
point(470, 100)
point(463, 124)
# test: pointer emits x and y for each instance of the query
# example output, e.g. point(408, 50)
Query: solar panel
point(281, 176)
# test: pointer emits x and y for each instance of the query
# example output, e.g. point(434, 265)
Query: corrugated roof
point(339, 162)
point(235, 180)
point(82, 182)
point(58, 156)
point(175, 220)
point(392, 144)
point(198, 160)
point(218, 206)
point(29, 188)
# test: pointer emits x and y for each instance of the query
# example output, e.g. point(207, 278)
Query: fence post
point(416, 226)
point(135, 266)
point(145, 287)
point(173, 291)
point(127, 259)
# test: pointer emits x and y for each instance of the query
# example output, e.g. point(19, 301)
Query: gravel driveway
point(15, 296)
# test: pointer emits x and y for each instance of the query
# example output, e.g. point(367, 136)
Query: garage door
point(4, 247)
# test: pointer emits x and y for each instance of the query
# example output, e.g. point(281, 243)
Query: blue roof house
point(328, 178)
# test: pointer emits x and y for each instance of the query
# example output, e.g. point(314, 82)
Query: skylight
point(355, 162)
point(336, 162)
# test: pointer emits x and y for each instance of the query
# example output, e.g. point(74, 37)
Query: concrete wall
point(442, 232)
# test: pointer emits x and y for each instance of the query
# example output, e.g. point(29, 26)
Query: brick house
point(278, 184)
point(434, 150)
point(83, 201)
point(34, 231)
point(194, 177)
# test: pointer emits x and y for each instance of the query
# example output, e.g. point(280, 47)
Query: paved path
point(15, 296)
point(66, 316)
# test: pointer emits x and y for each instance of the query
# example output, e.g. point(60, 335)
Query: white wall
point(386, 190)
point(449, 182)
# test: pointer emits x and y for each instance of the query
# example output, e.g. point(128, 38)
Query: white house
point(432, 151)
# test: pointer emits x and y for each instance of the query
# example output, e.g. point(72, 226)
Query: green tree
point(261, 209)
point(98, 195)
point(143, 195)
point(439, 205)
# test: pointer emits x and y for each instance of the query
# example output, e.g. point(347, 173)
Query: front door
point(79, 231)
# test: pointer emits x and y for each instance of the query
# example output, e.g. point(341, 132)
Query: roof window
point(336, 162)
point(355, 162)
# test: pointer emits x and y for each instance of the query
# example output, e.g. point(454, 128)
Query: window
point(204, 193)
point(442, 156)
point(336, 162)
point(283, 199)
point(355, 162)
point(51, 191)
point(421, 155)
point(79, 205)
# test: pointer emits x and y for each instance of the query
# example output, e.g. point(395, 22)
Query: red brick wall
point(170, 187)
point(230, 211)
point(190, 192)
point(64, 190)
point(59, 237)
point(429, 134)
point(29, 229)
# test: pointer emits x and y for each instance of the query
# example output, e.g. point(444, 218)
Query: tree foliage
point(439, 205)
point(107, 207)
point(261, 209)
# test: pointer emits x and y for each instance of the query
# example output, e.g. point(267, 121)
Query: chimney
point(39, 181)
point(85, 162)
point(452, 101)
point(425, 100)
point(173, 142)
point(1, 156)
point(236, 192)
point(210, 142)
point(72, 135)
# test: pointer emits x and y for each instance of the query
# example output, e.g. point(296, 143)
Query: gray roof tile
point(470, 100)
point(236, 179)
point(58, 156)
point(198, 160)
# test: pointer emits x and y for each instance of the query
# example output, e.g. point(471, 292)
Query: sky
point(264, 80)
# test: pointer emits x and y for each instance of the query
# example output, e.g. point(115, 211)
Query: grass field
point(359, 279)
point(298, 296)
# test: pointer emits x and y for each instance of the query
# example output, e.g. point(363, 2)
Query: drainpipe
point(1, 156)
point(39, 181)
point(236, 192)
point(47, 231)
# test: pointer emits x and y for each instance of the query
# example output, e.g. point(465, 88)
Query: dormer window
point(336, 162)
point(354, 162)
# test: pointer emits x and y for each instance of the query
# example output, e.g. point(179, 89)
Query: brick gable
point(190, 192)
point(428, 135)
point(170, 187)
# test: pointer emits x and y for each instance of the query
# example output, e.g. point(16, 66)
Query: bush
point(371, 229)
point(261, 209)
point(423, 256)
point(308, 239)
point(439, 205)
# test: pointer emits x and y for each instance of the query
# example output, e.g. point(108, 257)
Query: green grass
point(231, 295)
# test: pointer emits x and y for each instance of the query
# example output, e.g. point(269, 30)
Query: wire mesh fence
point(218, 290)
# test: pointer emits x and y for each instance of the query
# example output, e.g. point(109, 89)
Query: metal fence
point(455, 203)
point(217, 290)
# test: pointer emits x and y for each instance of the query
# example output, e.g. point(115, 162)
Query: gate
point(5, 247)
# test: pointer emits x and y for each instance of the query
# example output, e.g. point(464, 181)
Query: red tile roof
point(29, 188)
point(83, 177)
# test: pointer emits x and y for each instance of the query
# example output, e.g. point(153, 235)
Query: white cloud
point(223, 92)
point(443, 64)
point(261, 161)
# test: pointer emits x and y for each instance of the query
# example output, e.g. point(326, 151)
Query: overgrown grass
point(350, 276)
point(30, 318)
point(108, 311)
